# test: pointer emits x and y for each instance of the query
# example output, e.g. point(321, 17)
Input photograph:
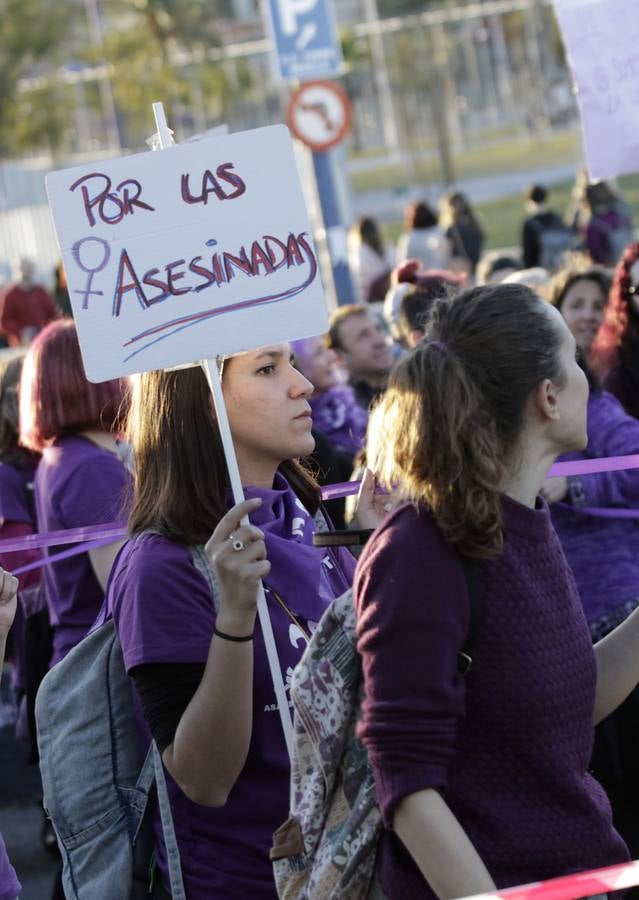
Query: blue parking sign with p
point(306, 40)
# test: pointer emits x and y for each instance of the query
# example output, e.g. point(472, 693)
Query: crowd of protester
point(482, 370)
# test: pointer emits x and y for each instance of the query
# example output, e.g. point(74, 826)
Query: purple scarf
point(307, 578)
point(337, 415)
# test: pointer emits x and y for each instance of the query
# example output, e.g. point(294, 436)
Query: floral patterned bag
point(327, 847)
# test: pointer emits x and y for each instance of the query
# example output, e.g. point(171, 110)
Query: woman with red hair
point(81, 478)
point(615, 352)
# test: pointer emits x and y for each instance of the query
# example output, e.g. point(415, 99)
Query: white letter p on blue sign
point(290, 10)
point(305, 39)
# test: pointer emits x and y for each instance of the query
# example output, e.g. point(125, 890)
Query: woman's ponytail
point(446, 430)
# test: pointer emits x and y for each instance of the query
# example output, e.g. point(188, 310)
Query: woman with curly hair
point(615, 351)
point(482, 778)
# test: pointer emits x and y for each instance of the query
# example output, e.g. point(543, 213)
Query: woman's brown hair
point(578, 267)
point(182, 486)
point(10, 371)
point(449, 423)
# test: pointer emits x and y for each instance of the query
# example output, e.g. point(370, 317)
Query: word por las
point(110, 204)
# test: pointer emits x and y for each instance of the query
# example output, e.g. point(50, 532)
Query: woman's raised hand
point(372, 508)
point(8, 600)
point(238, 555)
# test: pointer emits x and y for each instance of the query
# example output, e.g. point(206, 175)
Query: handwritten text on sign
point(602, 43)
point(186, 253)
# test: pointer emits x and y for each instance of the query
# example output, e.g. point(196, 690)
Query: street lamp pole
point(106, 91)
point(382, 79)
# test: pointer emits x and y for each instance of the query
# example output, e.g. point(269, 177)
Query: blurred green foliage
point(32, 33)
point(153, 49)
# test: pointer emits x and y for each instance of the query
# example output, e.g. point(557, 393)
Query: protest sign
point(602, 44)
point(200, 250)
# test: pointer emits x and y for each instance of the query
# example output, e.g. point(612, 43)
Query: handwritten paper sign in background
point(186, 253)
point(602, 43)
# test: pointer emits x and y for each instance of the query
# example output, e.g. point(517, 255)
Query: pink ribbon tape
point(569, 887)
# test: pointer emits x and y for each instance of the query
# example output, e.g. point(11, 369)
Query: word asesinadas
point(178, 277)
point(110, 204)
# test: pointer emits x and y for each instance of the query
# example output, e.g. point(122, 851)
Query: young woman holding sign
point(200, 670)
point(483, 778)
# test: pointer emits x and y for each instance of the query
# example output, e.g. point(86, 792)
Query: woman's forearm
point(212, 739)
point(617, 666)
point(440, 847)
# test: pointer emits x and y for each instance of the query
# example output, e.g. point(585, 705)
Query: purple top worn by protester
point(16, 519)
point(164, 613)
point(509, 744)
point(14, 483)
point(10, 887)
point(337, 414)
point(603, 553)
point(77, 483)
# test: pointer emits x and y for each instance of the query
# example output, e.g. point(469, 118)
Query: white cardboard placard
point(602, 43)
point(199, 250)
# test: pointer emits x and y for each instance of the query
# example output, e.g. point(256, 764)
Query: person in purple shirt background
point(10, 887)
point(202, 684)
point(335, 411)
point(483, 779)
point(81, 478)
point(17, 519)
point(603, 553)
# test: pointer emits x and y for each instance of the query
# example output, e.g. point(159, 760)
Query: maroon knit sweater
point(508, 745)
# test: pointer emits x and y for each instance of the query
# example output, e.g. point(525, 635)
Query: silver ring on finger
point(236, 543)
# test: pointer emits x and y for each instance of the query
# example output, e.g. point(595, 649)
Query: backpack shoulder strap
point(202, 564)
point(465, 658)
point(168, 829)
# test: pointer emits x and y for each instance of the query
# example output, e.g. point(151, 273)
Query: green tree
point(32, 35)
point(151, 50)
point(157, 50)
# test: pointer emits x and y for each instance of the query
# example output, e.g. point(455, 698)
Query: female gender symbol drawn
point(91, 272)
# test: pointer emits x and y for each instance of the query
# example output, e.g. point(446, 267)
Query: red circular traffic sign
point(319, 114)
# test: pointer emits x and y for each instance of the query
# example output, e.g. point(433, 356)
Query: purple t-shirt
point(13, 494)
point(603, 553)
point(77, 483)
point(9, 885)
point(164, 612)
point(16, 519)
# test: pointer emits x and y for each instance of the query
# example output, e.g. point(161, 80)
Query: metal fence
point(436, 82)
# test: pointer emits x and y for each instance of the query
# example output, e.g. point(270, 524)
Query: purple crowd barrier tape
point(571, 467)
point(66, 554)
point(593, 466)
point(343, 489)
point(92, 536)
point(113, 530)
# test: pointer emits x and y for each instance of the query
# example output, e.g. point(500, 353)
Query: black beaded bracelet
point(230, 637)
